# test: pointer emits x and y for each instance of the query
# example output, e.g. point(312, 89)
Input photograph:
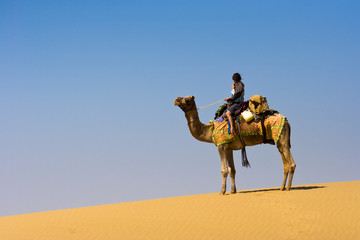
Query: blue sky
point(87, 90)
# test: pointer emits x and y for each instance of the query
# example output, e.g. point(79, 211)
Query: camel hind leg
point(286, 172)
point(292, 169)
point(283, 146)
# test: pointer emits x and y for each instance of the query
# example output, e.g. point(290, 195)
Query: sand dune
point(316, 211)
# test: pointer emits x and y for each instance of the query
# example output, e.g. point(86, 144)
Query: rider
point(237, 96)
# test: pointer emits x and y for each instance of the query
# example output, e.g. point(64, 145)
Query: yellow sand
point(316, 211)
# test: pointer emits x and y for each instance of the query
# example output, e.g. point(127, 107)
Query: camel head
point(186, 104)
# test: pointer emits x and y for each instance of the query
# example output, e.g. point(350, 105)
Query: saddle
point(240, 108)
point(259, 108)
point(268, 130)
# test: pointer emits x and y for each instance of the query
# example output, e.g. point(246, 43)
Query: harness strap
point(244, 158)
point(263, 129)
point(265, 140)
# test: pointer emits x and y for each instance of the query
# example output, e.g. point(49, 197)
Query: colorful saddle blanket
point(273, 125)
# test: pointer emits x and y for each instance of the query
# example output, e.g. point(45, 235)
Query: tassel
point(244, 159)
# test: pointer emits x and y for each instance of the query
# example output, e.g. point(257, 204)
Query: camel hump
point(258, 104)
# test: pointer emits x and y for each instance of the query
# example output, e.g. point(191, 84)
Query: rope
point(203, 107)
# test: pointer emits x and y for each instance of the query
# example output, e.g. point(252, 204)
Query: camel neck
point(192, 116)
point(200, 131)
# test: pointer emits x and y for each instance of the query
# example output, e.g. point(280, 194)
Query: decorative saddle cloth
point(273, 127)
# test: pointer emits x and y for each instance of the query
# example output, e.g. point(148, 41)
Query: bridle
point(191, 109)
point(192, 121)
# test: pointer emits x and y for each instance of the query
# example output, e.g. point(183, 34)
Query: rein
point(200, 108)
point(212, 104)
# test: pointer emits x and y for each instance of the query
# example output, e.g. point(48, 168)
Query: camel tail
point(244, 158)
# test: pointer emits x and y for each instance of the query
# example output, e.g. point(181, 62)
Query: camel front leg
point(224, 168)
point(232, 171)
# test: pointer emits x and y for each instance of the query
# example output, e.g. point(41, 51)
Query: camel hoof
point(223, 191)
point(233, 190)
point(282, 188)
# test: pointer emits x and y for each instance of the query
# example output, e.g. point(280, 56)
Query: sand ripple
point(318, 211)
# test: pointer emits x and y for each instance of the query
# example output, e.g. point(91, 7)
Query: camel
point(203, 132)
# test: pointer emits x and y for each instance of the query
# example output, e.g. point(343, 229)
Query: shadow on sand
point(278, 189)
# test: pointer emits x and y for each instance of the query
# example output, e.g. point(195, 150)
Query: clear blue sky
point(87, 90)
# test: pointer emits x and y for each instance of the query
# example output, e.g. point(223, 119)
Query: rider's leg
point(229, 117)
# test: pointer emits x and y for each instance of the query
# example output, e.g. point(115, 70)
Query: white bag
point(247, 115)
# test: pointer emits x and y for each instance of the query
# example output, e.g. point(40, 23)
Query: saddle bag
point(258, 104)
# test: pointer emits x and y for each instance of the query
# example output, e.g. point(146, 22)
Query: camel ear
point(193, 97)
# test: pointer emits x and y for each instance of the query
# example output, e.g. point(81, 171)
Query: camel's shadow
point(303, 188)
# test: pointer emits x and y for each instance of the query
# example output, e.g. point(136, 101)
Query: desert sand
point(315, 211)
